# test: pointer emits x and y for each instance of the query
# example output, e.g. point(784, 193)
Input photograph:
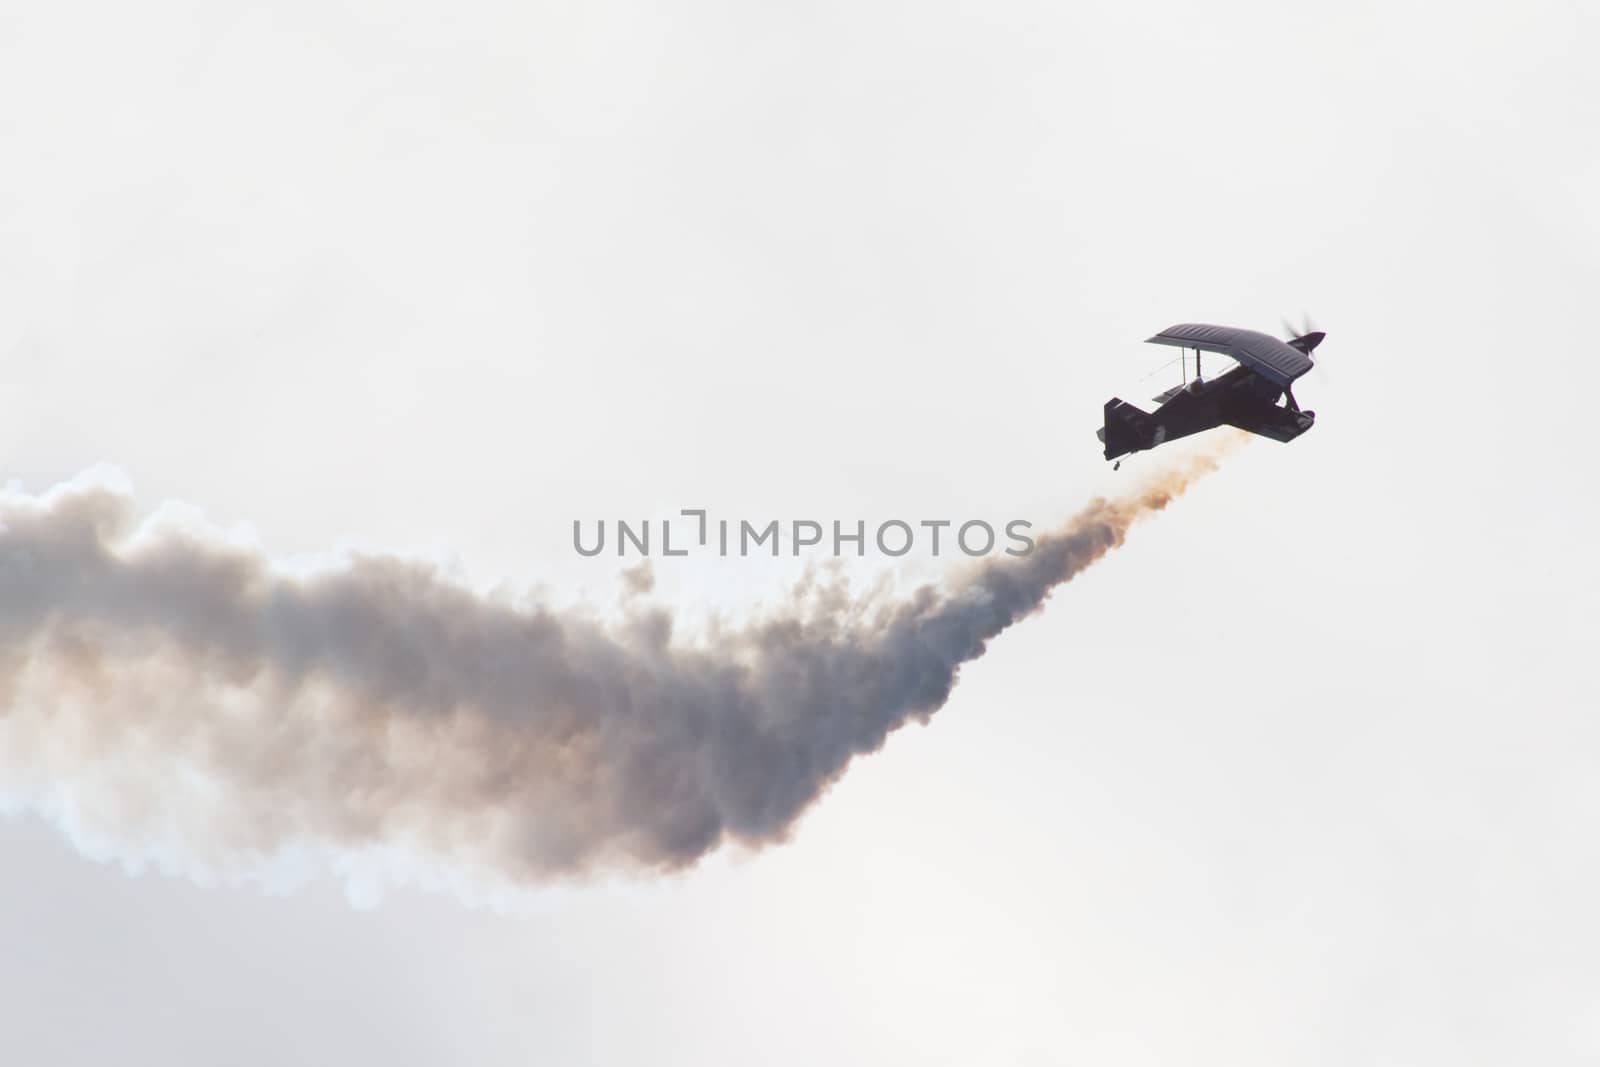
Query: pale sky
point(1303, 773)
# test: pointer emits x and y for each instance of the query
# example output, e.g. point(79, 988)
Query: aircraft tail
point(1127, 429)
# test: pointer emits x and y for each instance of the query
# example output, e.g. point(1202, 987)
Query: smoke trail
point(170, 697)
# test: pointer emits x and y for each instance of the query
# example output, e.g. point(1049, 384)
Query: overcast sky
point(1304, 773)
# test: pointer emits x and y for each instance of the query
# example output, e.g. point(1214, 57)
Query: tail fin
point(1127, 429)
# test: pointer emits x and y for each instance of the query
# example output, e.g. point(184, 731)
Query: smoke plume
point(174, 698)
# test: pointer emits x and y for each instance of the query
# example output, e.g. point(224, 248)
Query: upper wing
point(1267, 356)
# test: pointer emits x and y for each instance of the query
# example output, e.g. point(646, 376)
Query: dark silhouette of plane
point(1247, 396)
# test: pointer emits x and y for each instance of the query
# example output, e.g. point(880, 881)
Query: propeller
point(1306, 338)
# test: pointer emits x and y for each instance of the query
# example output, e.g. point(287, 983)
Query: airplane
point(1247, 396)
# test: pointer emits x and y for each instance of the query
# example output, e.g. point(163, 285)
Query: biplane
point(1256, 395)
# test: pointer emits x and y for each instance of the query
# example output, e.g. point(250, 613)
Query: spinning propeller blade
point(1306, 338)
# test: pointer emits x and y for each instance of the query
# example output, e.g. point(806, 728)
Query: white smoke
point(171, 697)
